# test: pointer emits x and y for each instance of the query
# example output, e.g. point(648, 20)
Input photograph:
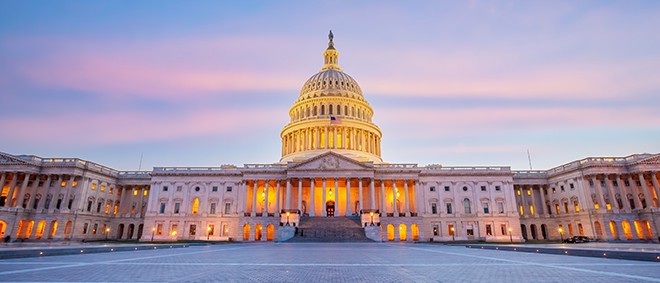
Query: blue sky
point(204, 83)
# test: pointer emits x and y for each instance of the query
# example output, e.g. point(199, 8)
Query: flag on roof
point(335, 120)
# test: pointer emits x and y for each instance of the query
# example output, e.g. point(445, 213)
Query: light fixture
point(330, 191)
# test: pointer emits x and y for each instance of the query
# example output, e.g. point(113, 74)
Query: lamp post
point(153, 230)
point(510, 236)
point(453, 235)
point(561, 234)
point(208, 233)
point(107, 230)
point(372, 218)
point(287, 219)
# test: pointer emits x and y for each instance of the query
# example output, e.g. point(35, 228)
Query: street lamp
point(453, 235)
point(372, 218)
point(153, 230)
point(287, 219)
point(208, 233)
point(174, 235)
point(510, 236)
point(107, 230)
point(561, 234)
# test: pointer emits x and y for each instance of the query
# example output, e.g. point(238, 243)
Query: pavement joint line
point(345, 264)
point(112, 261)
point(548, 265)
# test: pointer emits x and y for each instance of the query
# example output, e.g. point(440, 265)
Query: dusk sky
point(206, 83)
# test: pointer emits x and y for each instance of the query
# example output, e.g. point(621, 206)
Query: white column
point(327, 136)
point(277, 199)
point(654, 179)
point(383, 210)
point(336, 196)
point(623, 193)
point(543, 207)
point(12, 186)
point(349, 207)
point(610, 191)
point(602, 205)
point(300, 195)
point(288, 193)
point(33, 192)
point(325, 191)
point(396, 211)
point(405, 186)
point(634, 192)
point(254, 200)
point(373, 194)
point(536, 209)
point(265, 214)
point(360, 196)
point(21, 194)
point(311, 198)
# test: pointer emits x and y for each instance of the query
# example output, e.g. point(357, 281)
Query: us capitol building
point(331, 184)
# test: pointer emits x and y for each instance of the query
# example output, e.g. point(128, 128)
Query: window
point(195, 206)
point(483, 188)
point(41, 183)
point(96, 226)
point(466, 206)
point(450, 227)
point(225, 229)
point(449, 208)
point(435, 230)
point(446, 188)
point(164, 188)
point(162, 207)
point(602, 183)
point(432, 189)
point(580, 229)
point(498, 188)
point(179, 188)
point(103, 229)
point(562, 188)
point(93, 186)
point(638, 183)
point(59, 202)
point(174, 228)
point(193, 230)
point(566, 207)
point(486, 207)
point(518, 191)
point(557, 208)
point(197, 189)
point(572, 186)
point(465, 189)
point(85, 228)
point(554, 191)
point(489, 230)
point(135, 192)
point(577, 208)
point(591, 183)
point(116, 209)
point(614, 183)
point(47, 203)
point(107, 208)
point(212, 208)
point(111, 190)
point(503, 227)
point(211, 230)
point(89, 205)
point(229, 189)
point(159, 229)
point(570, 229)
point(626, 183)
point(214, 189)
point(103, 188)
point(98, 207)
point(545, 192)
point(227, 208)
point(500, 207)
point(176, 207)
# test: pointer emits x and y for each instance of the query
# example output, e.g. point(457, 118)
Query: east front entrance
point(330, 208)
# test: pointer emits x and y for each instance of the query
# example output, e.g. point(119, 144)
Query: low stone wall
point(48, 251)
point(285, 233)
point(373, 233)
point(630, 255)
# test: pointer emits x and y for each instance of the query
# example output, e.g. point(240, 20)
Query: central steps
point(329, 230)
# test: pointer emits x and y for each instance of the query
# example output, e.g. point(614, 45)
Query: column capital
point(323, 178)
point(336, 179)
point(348, 179)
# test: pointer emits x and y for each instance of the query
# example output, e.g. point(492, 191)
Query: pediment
point(12, 160)
point(331, 161)
point(655, 159)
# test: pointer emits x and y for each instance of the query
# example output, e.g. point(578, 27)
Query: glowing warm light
point(107, 229)
point(145, 192)
point(173, 233)
point(531, 209)
point(596, 206)
point(263, 194)
point(452, 228)
point(153, 229)
point(529, 192)
point(397, 194)
point(609, 206)
point(509, 229)
point(330, 191)
point(372, 214)
point(287, 213)
point(209, 228)
point(561, 231)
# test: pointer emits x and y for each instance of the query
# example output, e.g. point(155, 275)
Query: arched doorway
point(270, 231)
point(523, 230)
point(139, 233)
point(330, 208)
point(403, 232)
point(53, 229)
point(257, 232)
point(626, 229)
point(415, 232)
point(532, 229)
point(120, 231)
point(21, 226)
point(648, 229)
point(41, 227)
point(67, 229)
point(390, 232)
point(3, 226)
point(544, 232)
point(246, 232)
point(613, 230)
point(599, 230)
point(131, 229)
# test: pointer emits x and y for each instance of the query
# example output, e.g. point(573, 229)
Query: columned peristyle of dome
point(331, 114)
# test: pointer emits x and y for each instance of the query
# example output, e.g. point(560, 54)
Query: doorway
point(330, 208)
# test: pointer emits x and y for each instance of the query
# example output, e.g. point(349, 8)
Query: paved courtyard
point(350, 262)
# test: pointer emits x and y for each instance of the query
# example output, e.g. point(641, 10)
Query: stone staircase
point(329, 230)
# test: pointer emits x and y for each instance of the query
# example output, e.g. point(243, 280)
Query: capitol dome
point(331, 114)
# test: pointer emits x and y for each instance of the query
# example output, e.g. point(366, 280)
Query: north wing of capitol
point(330, 183)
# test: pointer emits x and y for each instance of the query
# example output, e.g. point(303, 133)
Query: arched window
point(353, 111)
point(415, 232)
point(626, 229)
point(246, 232)
point(466, 205)
point(270, 230)
point(315, 110)
point(307, 112)
point(195, 206)
point(613, 229)
point(390, 232)
point(330, 109)
point(346, 110)
point(322, 109)
point(403, 232)
point(338, 110)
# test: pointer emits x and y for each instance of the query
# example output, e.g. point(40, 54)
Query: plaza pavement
point(336, 262)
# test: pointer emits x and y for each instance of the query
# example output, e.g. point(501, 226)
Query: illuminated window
point(107, 208)
point(596, 206)
point(518, 192)
point(103, 230)
point(489, 230)
point(450, 227)
point(500, 207)
point(575, 204)
point(435, 230)
point(570, 229)
point(111, 189)
point(85, 228)
point(212, 228)
point(93, 186)
point(145, 192)
point(159, 229)
point(531, 209)
point(103, 188)
point(63, 184)
point(554, 191)
point(225, 230)
point(135, 192)
point(522, 211)
point(96, 226)
point(529, 192)
point(195, 206)
point(116, 209)
point(557, 207)
point(174, 228)
point(75, 183)
point(580, 229)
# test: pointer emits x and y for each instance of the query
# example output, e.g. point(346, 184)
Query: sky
point(207, 83)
